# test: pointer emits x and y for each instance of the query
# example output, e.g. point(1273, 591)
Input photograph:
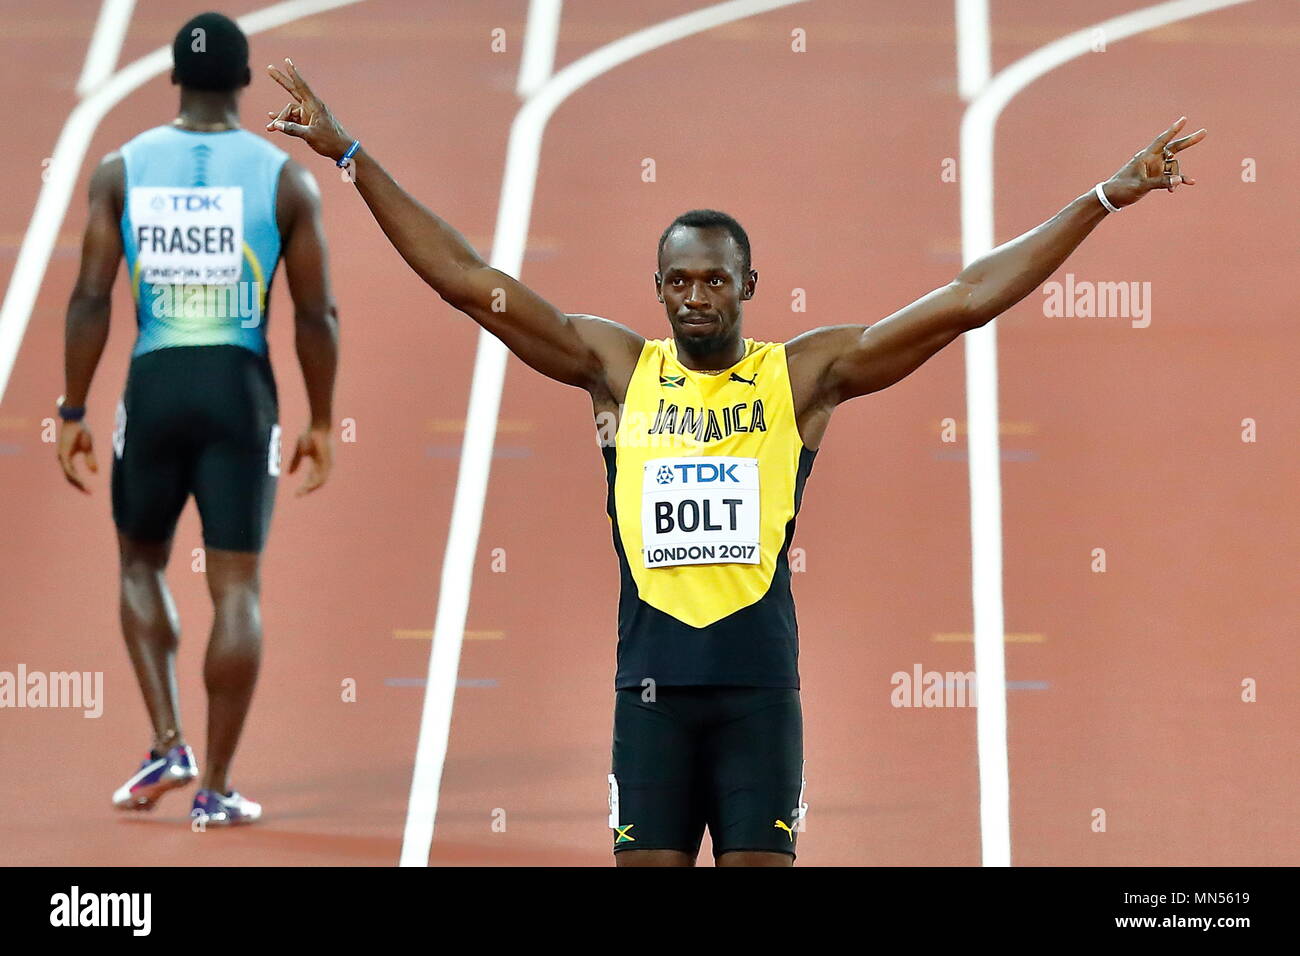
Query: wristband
point(71, 413)
point(347, 157)
point(1101, 194)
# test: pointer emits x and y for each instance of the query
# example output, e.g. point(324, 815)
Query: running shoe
point(157, 774)
point(218, 809)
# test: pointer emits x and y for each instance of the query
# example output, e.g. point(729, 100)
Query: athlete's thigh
point(152, 453)
point(238, 462)
point(755, 761)
point(654, 790)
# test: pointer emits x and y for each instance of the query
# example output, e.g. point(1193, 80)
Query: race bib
point(700, 510)
point(188, 236)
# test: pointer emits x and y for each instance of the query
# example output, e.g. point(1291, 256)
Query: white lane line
point(977, 128)
point(538, 60)
point(101, 56)
point(105, 44)
point(973, 47)
point(513, 214)
point(70, 152)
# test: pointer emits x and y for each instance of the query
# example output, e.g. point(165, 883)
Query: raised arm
point(841, 362)
point(315, 318)
point(584, 351)
point(86, 328)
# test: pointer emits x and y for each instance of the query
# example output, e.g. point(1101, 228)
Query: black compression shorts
point(729, 758)
point(197, 420)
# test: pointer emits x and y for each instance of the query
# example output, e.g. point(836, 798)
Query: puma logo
point(740, 378)
point(780, 825)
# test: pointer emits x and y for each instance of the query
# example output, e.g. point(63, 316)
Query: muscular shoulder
point(617, 348)
point(111, 167)
point(825, 341)
point(608, 333)
point(812, 356)
point(108, 181)
point(297, 184)
point(296, 195)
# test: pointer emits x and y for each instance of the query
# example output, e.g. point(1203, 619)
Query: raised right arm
point(573, 349)
point(581, 350)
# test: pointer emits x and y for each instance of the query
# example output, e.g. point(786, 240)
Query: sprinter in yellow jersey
point(709, 438)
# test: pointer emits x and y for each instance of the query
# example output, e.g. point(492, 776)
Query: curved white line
point(540, 35)
point(977, 128)
point(105, 44)
point(70, 152)
point(513, 214)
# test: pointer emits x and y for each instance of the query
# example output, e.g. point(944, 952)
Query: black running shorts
point(197, 420)
point(729, 758)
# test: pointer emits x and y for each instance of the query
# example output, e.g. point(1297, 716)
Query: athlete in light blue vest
point(203, 212)
point(200, 236)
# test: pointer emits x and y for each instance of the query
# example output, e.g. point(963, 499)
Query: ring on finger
point(1171, 171)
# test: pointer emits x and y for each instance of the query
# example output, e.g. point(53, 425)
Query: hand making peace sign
point(307, 117)
point(1153, 168)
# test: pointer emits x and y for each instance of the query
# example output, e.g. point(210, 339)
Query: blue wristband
point(347, 157)
point(72, 413)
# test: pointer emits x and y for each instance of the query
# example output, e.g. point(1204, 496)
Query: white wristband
point(1101, 194)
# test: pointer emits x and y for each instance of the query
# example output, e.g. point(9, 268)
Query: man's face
point(701, 285)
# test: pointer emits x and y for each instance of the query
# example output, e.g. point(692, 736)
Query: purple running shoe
point(157, 774)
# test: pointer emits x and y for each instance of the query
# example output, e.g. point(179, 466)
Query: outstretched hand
point(1153, 168)
point(307, 117)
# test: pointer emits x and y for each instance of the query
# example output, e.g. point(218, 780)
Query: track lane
point(332, 774)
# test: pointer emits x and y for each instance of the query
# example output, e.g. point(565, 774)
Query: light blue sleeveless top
point(200, 236)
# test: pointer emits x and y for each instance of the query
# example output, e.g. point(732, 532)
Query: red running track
point(1125, 686)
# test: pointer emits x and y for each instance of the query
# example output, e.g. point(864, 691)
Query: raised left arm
point(853, 360)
